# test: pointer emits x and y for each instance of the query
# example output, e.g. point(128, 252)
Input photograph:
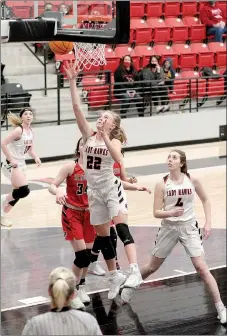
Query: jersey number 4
point(80, 189)
point(26, 149)
point(94, 162)
point(179, 202)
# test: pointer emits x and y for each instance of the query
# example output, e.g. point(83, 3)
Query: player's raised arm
point(83, 125)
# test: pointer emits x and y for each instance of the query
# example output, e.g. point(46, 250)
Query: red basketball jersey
point(76, 188)
point(117, 169)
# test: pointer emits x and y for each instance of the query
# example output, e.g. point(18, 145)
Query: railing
point(98, 92)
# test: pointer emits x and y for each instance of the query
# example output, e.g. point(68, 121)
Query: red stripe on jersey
point(117, 169)
point(76, 188)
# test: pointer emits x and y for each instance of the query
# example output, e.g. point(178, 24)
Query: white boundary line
point(29, 227)
point(106, 289)
point(179, 271)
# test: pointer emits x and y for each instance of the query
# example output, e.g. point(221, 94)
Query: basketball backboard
point(100, 21)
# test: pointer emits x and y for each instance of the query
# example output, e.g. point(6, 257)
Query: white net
point(88, 55)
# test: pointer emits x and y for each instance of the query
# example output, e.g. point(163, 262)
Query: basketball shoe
point(116, 279)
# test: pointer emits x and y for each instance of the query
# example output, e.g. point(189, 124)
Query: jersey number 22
point(94, 162)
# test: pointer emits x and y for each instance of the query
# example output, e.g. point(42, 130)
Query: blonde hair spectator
point(62, 319)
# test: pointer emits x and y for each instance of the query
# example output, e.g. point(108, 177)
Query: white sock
point(134, 265)
point(114, 272)
point(219, 306)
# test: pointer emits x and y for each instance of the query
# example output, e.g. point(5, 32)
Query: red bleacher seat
point(200, 5)
point(189, 8)
point(142, 31)
point(166, 51)
point(171, 9)
point(137, 9)
point(179, 30)
point(160, 32)
point(123, 50)
point(154, 9)
point(112, 60)
point(220, 53)
point(215, 87)
point(197, 31)
point(145, 52)
point(180, 89)
point(83, 8)
point(24, 12)
point(223, 6)
point(95, 90)
point(196, 85)
point(221, 71)
point(60, 61)
point(104, 8)
point(187, 59)
point(98, 96)
point(205, 56)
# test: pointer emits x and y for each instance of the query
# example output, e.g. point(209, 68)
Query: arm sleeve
point(117, 76)
point(28, 329)
point(204, 17)
point(94, 327)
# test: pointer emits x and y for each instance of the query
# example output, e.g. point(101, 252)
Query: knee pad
point(113, 237)
point(12, 203)
point(124, 234)
point(82, 259)
point(21, 192)
point(97, 245)
point(107, 248)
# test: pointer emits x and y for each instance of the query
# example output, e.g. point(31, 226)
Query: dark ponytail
point(183, 159)
point(77, 152)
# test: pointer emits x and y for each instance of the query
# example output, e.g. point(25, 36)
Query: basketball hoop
point(88, 55)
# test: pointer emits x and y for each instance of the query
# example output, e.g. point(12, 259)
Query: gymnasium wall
point(163, 130)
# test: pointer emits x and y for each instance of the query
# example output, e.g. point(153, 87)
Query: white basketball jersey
point(20, 147)
point(98, 163)
point(177, 195)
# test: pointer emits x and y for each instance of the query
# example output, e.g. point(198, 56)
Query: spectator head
point(126, 62)
point(48, 7)
point(167, 64)
point(212, 2)
point(64, 9)
point(62, 283)
point(153, 62)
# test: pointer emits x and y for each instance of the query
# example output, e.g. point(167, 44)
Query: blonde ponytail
point(62, 286)
point(60, 292)
point(14, 120)
point(118, 132)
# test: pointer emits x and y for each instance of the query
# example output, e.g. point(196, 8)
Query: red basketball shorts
point(76, 225)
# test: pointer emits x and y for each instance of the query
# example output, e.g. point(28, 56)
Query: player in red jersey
point(76, 218)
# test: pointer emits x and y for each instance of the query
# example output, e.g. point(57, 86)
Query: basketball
point(61, 47)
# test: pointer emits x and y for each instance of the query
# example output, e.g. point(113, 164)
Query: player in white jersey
point(105, 191)
point(174, 203)
point(15, 146)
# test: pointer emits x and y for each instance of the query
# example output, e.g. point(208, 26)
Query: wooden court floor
point(35, 244)
point(40, 209)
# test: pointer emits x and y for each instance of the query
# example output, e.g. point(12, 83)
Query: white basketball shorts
point(7, 168)
point(169, 234)
point(104, 204)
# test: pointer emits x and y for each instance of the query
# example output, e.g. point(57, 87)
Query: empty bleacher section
point(168, 29)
